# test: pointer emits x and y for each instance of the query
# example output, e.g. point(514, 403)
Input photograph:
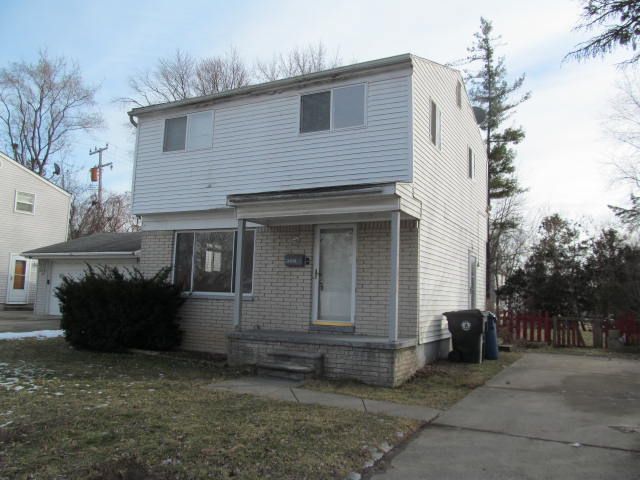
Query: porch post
point(393, 284)
point(237, 300)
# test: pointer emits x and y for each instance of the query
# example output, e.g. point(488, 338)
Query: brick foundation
point(372, 362)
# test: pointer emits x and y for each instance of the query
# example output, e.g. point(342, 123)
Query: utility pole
point(100, 166)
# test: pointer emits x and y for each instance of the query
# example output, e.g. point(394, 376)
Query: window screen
point(436, 125)
point(348, 106)
point(471, 161)
point(459, 94)
point(315, 111)
point(200, 131)
point(25, 202)
point(175, 132)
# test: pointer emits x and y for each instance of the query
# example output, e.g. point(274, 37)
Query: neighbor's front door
point(18, 287)
point(334, 274)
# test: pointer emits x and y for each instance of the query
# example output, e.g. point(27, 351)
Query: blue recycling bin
point(491, 337)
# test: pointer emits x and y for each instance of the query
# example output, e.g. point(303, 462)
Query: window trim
point(331, 126)
point(15, 203)
point(199, 293)
point(187, 132)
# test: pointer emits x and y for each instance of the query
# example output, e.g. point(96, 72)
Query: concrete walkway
point(292, 391)
point(547, 416)
point(26, 321)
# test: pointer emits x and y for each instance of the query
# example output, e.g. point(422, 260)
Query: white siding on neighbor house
point(257, 147)
point(453, 220)
point(20, 232)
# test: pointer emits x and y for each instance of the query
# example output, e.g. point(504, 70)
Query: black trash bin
point(467, 329)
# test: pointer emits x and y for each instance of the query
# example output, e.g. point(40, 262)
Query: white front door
point(18, 285)
point(334, 274)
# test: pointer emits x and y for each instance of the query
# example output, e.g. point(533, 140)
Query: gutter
point(332, 74)
point(55, 255)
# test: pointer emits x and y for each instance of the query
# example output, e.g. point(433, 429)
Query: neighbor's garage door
point(75, 269)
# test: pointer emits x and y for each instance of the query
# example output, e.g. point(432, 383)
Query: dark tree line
point(569, 273)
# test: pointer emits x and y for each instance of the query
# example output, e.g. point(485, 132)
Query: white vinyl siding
point(453, 218)
point(47, 225)
point(257, 147)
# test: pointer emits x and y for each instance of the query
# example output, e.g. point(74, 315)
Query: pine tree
point(490, 90)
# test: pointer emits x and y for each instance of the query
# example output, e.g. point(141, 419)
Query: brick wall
point(388, 367)
point(282, 296)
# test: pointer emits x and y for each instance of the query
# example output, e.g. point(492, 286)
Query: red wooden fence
point(539, 327)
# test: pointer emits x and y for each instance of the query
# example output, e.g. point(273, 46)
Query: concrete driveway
point(547, 416)
point(19, 321)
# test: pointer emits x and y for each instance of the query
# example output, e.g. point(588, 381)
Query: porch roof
point(321, 205)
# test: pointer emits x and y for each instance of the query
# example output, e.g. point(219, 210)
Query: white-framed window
point(204, 261)
point(459, 94)
point(25, 202)
point(471, 163)
point(188, 132)
point(333, 109)
point(436, 125)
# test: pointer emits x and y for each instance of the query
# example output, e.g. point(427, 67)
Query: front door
point(18, 285)
point(334, 275)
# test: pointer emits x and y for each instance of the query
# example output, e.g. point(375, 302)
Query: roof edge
point(394, 61)
point(6, 157)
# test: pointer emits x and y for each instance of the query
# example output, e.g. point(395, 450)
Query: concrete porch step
point(17, 308)
point(314, 360)
point(287, 370)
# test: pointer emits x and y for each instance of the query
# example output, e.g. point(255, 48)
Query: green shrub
point(109, 310)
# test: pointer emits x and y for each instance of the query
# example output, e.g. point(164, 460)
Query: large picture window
point(205, 261)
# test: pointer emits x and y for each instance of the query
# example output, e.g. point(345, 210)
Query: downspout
point(133, 122)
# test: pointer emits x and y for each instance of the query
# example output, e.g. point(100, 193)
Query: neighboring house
point(71, 259)
point(360, 198)
point(33, 213)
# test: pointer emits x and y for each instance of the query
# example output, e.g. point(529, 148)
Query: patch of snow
point(36, 334)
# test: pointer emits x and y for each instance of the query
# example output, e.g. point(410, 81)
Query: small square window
point(436, 125)
point(25, 202)
point(315, 112)
point(175, 134)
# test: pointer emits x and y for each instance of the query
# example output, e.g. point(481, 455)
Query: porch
point(346, 257)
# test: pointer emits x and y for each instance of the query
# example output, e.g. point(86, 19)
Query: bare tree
point(114, 215)
point(183, 76)
point(299, 61)
point(42, 105)
point(624, 125)
point(217, 74)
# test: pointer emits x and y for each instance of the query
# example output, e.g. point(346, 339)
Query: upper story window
point(459, 94)
point(204, 261)
point(436, 125)
point(189, 132)
point(341, 107)
point(471, 163)
point(25, 202)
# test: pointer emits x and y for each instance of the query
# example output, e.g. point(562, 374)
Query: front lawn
point(439, 385)
point(73, 414)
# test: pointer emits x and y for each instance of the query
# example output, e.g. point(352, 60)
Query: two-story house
point(358, 196)
point(33, 212)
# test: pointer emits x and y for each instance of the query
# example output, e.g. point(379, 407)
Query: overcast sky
point(564, 161)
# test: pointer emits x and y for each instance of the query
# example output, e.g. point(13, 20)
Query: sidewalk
point(292, 391)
